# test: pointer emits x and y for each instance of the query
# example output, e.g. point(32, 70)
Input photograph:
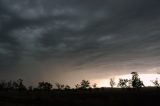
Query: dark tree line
point(134, 82)
point(12, 85)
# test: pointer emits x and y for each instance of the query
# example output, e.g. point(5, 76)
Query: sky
point(69, 40)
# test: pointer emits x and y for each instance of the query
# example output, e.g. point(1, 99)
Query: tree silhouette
point(30, 88)
point(67, 87)
point(136, 82)
point(112, 82)
point(15, 85)
point(20, 85)
point(9, 85)
point(94, 85)
point(129, 83)
point(156, 82)
point(78, 86)
point(3, 85)
point(60, 86)
point(122, 83)
point(85, 84)
point(46, 86)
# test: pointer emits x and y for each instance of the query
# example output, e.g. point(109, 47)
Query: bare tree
point(156, 82)
point(129, 83)
point(112, 82)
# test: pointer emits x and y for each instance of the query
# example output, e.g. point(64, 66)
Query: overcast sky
point(71, 40)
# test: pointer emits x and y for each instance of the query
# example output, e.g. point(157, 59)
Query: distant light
point(146, 78)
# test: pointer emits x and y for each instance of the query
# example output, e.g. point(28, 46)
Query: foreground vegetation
point(131, 92)
point(82, 97)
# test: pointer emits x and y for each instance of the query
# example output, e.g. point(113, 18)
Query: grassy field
point(92, 97)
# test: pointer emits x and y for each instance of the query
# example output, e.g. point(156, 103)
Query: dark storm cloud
point(79, 35)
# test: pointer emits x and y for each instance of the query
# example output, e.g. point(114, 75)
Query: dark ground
point(96, 97)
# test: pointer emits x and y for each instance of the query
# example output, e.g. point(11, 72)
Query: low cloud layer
point(52, 38)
